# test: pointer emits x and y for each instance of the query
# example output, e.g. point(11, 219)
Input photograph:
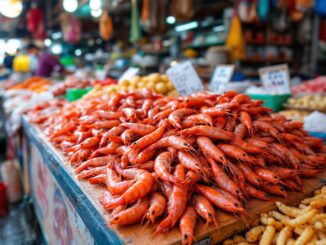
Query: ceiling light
point(170, 20)
point(11, 8)
point(188, 26)
point(70, 5)
point(47, 42)
point(96, 13)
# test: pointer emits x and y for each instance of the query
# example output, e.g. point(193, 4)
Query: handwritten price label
point(276, 79)
point(129, 73)
point(185, 79)
point(221, 77)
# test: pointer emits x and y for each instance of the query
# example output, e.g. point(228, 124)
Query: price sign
point(185, 79)
point(221, 77)
point(276, 79)
point(129, 73)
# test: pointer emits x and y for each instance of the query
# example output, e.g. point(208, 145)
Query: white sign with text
point(276, 79)
point(185, 78)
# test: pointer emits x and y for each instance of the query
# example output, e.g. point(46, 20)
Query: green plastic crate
point(275, 102)
point(76, 93)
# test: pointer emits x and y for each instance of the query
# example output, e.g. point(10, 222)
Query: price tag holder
point(185, 78)
point(129, 73)
point(276, 79)
point(221, 77)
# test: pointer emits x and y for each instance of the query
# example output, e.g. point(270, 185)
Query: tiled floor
point(20, 227)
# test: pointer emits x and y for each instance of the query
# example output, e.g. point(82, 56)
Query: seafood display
point(177, 161)
point(305, 224)
point(35, 84)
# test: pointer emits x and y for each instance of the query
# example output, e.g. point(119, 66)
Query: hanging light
point(95, 4)
point(11, 8)
point(96, 13)
point(70, 5)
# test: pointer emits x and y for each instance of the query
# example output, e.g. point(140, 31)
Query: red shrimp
point(114, 101)
point(97, 180)
point(149, 166)
point(220, 199)
point(143, 185)
point(79, 155)
point(114, 134)
point(274, 189)
point(128, 136)
point(162, 115)
point(237, 175)
point(207, 131)
point(189, 162)
point(175, 116)
point(114, 183)
point(162, 168)
point(156, 208)
point(105, 124)
point(141, 157)
point(82, 136)
point(230, 124)
point(245, 119)
point(90, 143)
point(192, 177)
point(291, 137)
point(197, 119)
point(109, 149)
point(240, 131)
point(96, 162)
point(178, 143)
point(108, 115)
point(91, 172)
point(250, 175)
point(177, 203)
point(132, 214)
point(223, 181)
point(233, 152)
point(166, 188)
point(283, 173)
point(187, 225)
point(258, 142)
point(150, 138)
point(267, 175)
point(139, 128)
point(210, 150)
point(220, 122)
point(254, 193)
point(205, 209)
point(289, 183)
point(267, 128)
point(214, 111)
point(246, 146)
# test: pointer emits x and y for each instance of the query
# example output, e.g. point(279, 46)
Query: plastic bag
point(315, 122)
point(235, 41)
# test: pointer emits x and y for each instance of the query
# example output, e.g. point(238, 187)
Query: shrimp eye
point(236, 205)
point(210, 215)
point(185, 237)
point(185, 144)
point(244, 155)
point(238, 191)
point(153, 212)
point(116, 218)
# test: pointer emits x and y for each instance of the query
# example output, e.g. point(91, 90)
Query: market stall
point(80, 201)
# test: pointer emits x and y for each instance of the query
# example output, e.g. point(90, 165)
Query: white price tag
point(221, 77)
point(129, 73)
point(185, 79)
point(276, 79)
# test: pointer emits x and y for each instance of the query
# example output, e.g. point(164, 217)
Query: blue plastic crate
point(319, 135)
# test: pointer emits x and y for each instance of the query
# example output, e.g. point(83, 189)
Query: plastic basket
point(275, 102)
point(76, 93)
point(319, 135)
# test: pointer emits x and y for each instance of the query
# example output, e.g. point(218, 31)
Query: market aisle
point(20, 226)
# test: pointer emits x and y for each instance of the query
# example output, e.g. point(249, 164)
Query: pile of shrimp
point(177, 160)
